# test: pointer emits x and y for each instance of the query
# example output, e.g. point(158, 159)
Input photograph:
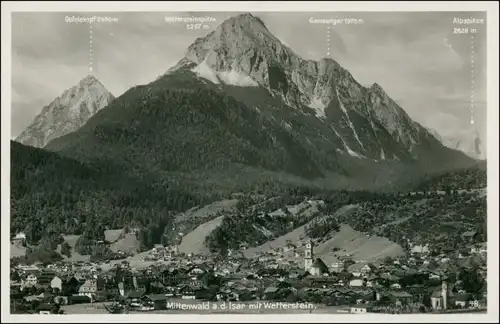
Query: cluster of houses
point(408, 285)
point(160, 252)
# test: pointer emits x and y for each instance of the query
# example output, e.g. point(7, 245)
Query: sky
point(415, 56)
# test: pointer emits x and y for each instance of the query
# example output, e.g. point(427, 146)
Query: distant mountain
point(468, 143)
point(66, 113)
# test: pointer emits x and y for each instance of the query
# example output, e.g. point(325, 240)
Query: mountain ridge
point(67, 112)
point(242, 52)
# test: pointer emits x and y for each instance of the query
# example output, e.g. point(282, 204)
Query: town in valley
point(425, 276)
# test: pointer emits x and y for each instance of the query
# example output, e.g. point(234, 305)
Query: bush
point(66, 249)
point(43, 254)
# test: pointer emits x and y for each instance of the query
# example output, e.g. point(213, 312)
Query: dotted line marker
point(328, 40)
point(472, 76)
point(90, 48)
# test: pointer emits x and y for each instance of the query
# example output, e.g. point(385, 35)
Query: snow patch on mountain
point(231, 77)
point(347, 148)
point(287, 125)
point(353, 153)
point(382, 154)
point(205, 72)
point(349, 120)
point(237, 79)
point(318, 107)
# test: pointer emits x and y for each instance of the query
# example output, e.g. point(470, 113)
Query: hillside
point(52, 195)
point(194, 242)
point(468, 178)
point(344, 241)
point(432, 218)
point(377, 225)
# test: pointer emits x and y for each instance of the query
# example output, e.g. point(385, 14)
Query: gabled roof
point(157, 284)
point(344, 275)
point(462, 297)
point(469, 233)
point(156, 297)
point(271, 289)
point(389, 277)
point(135, 294)
point(400, 294)
point(358, 266)
point(318, 263)
point(89, 283)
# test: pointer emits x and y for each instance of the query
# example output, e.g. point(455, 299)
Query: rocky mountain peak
point(378, 89)
point(238, 43)
point(245, 21)
point(88, 81)
point(67, 113)
point(242, 52)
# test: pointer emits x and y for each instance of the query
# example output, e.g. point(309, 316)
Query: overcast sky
point(414, 56)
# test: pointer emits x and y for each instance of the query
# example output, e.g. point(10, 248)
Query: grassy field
point(17, 250)
point(350, 242)
point(194, 242)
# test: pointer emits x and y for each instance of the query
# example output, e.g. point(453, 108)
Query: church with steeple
point(314, 267)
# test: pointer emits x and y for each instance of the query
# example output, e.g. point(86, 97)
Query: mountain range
point(239, 112)
point(313, 115)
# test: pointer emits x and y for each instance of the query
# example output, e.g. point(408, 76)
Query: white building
point(337, 266)
point(358, 309)
point(89, 288)
point(356, 283)
point(56, 282)
point(308, 255)
point(439, 298)
point(20, 238)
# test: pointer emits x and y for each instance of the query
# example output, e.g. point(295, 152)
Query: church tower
point(444, 293)
point(308, 255)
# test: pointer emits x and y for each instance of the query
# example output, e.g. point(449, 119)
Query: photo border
point(314, 6)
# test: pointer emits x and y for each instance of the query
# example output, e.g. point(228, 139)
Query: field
point(17, 250)
point(194, 242)
point(198, 223)
point(349, 242)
